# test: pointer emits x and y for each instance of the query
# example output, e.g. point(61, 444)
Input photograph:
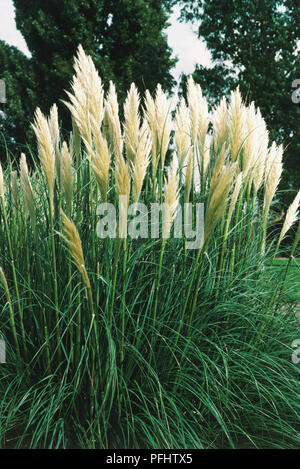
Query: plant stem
point(14, 275)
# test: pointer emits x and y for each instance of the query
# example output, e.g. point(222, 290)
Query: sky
point(181, 38)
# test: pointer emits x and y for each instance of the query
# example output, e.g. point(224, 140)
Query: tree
point(17, 73)
point(253, 44)
point(124, 38)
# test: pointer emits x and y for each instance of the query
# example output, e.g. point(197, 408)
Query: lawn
point(291, 288)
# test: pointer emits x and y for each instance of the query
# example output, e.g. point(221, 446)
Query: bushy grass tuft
point(145, 343)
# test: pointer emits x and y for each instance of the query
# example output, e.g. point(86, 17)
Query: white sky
point(181, 39)
point(8, 30)
point(190, 50)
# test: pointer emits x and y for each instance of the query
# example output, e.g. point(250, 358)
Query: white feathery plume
point(273, 176)
point(262, 151)
point(203, 122)
point(112, 121)
point(250, 148)
point(150, 115)
point(164, 122)
point(194, 96)
point(234, 197)
point(220, 125)
point(141, 162)
point(54, 131)
point(237, 123)
point(100, 158)
point(46, 150)
point(291, 217)
point(86, 101)
point(171, 197)
point(182, 131)
point(132, 122)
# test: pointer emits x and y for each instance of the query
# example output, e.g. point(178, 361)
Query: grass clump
point(140, 342)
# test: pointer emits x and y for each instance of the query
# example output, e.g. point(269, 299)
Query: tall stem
point(58, 337)
point(14, 274)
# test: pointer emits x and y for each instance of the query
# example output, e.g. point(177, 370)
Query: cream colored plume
point(54, 131)
point(158, 116)
point(250, 148)
point(100, 158)
point(206, 153)
point(122, 184)
point(269, 160)
point(54, 127)
point(291, 217)
point(141, 161)
point(27, 190)
point(122, 177)
point(203, 123)
point(188, 176)
point(171, 198)
point(218, 198)
point(194, 96)
point(220, 125)
point(272, 175)
point(46, 150)
point(73, 243)
point(112, 121)
point(150, 115)
point(132, 122)
point(182, 132)
point(163, 122)
point(199, 115)
point(86, 101)
point(234, 197)
point(262, 151)
point(237, 123)
point(218, 167)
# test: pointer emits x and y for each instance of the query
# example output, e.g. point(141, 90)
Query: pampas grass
point(171, 198)
point(220, 123)
point(121, 342)
point(46, 151)
point(112, 121)
point(131, 122)
point(73, 243)
point(182, 132)
point(141, 162)
point(237, 123)
point(291, 217)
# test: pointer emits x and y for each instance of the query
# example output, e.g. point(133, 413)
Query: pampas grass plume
point(171, 198)
point(132, 122)
point(291, 217)
point(45, 150)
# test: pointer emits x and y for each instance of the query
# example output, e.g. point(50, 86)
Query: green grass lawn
point(291, 289)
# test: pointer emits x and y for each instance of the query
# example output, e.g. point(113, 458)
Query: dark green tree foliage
point(253, 44)
point(16, 71)
point(124, 38)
